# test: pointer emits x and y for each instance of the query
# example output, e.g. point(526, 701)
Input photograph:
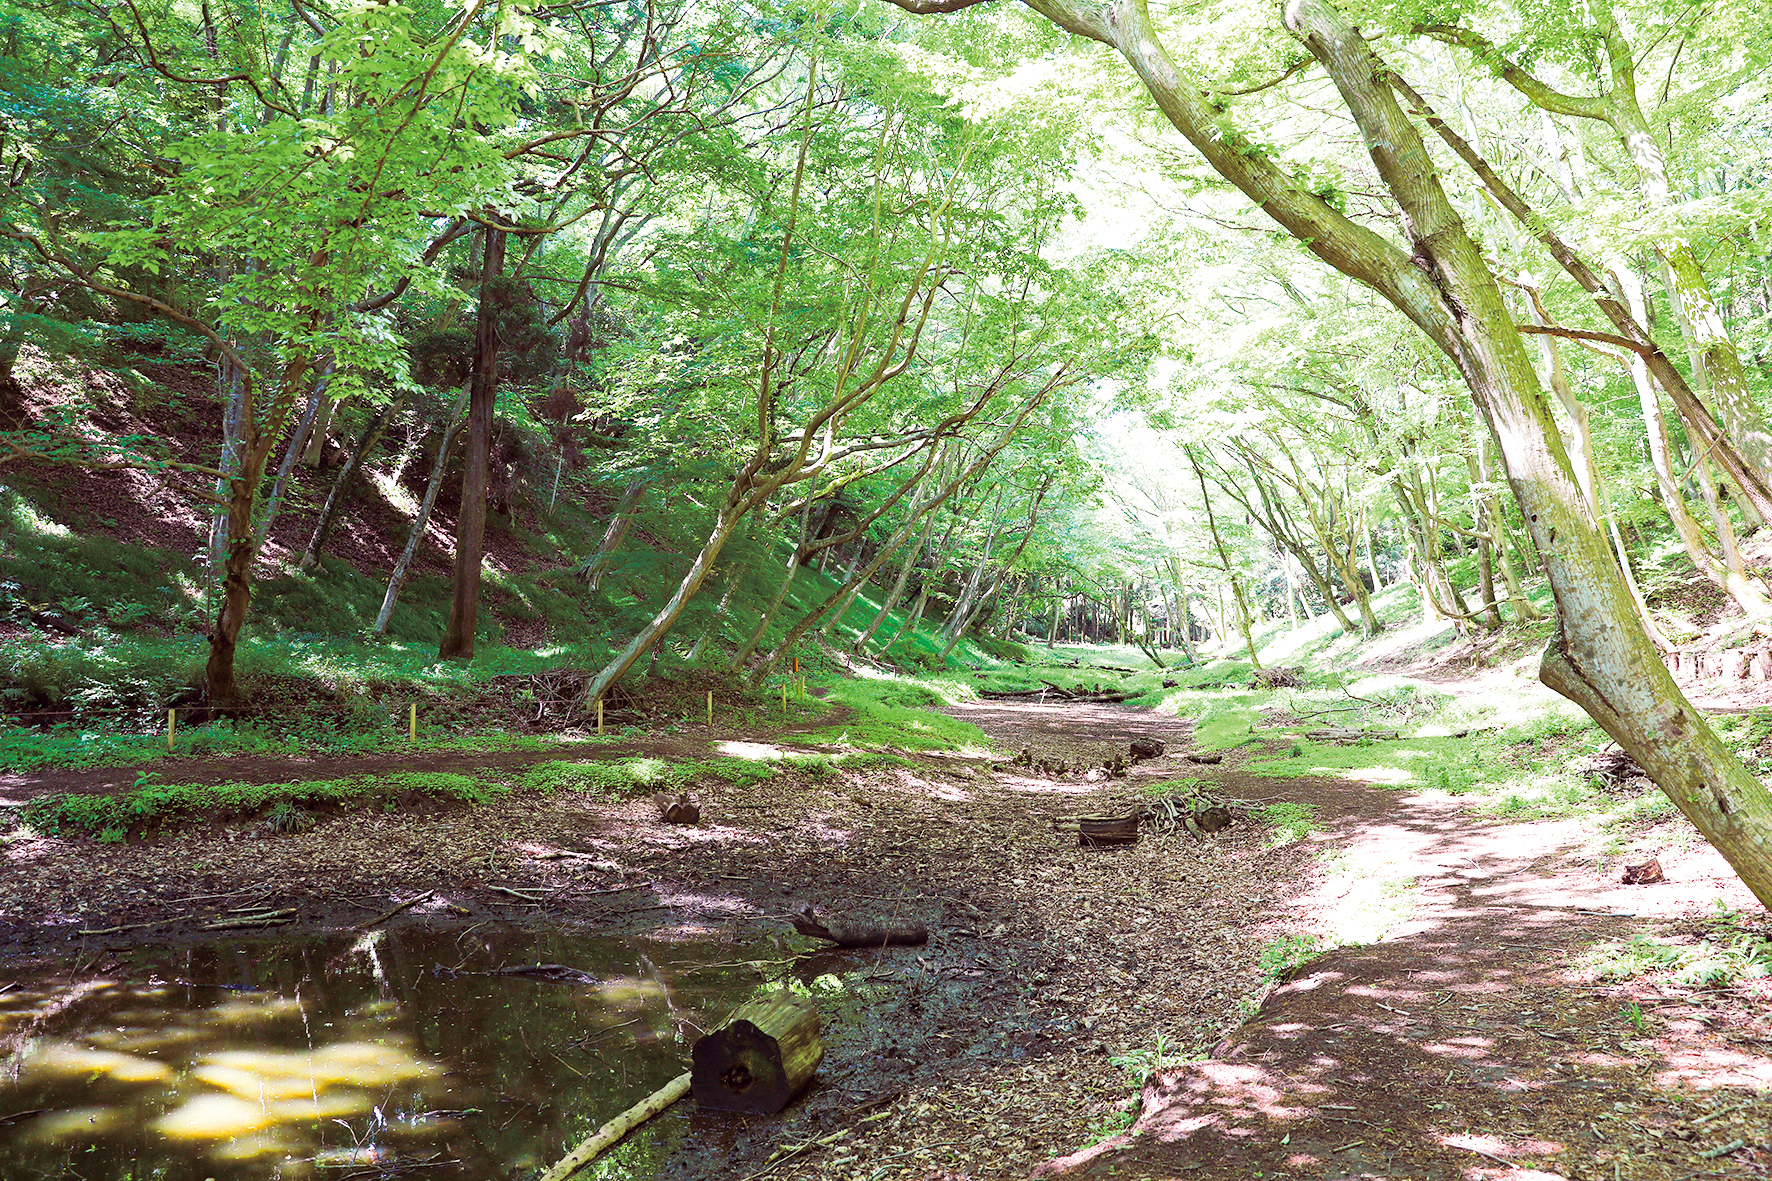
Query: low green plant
point(1107, 1127)
point(1725, 956)
point(1290, 821)
point(614, 778)
point(1285, 954)
point(740, 772)
point(111, 818)
point(1633, 1013)
point(1142, 1064)
point(1164, 788)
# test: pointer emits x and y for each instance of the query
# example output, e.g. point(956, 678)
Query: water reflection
point(340, 1056)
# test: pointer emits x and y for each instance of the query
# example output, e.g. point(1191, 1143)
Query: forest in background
point(760, 331)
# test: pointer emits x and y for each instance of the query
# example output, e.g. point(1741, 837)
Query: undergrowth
point(111, 818)
point(1728, 953)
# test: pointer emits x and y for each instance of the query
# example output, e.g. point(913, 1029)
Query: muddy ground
point(1470, 1043)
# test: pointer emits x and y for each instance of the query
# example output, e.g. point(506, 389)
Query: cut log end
point(677, 809)
point(758, 1061)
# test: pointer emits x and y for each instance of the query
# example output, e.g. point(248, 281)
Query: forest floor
point(1470, 1041)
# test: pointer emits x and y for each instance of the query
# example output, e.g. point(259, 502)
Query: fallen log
point(607, 1136)
point(1206, 757)
point(758, 1061)
point(1344, 735)
point(678, 809)
point(846, 932)
point(1107, 830)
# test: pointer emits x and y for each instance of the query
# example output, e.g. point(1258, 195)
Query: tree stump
point(678, 809)
point(1147, 748)
point(758, 1061)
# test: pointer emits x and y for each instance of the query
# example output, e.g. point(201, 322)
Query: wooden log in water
point(760, 1059)
point(611, 1133)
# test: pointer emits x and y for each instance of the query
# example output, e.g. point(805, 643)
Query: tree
point(1439, 279)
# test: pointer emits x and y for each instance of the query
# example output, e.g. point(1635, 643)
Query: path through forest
point(1468, 1042)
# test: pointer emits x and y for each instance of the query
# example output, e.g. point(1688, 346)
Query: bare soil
point(1470, 1043)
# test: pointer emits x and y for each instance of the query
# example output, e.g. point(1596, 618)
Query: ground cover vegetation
point(528, 402)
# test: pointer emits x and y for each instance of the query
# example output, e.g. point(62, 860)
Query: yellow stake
point(784, 699)
point(412, 722)
point(599, 715)
point(171, 728)
point(710, 707)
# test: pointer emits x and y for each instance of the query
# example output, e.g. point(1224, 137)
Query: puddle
point(348, 1057)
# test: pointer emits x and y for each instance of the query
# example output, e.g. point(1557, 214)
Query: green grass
point(895, 712)
point(1285, 954)
point(1291, 822)
point(615, 778)
point(111, 818)
point(1225, 721)
point(1729, 954)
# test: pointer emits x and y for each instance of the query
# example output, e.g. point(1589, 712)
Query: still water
point(351, 1056)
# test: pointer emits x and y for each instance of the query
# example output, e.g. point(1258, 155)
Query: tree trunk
point(470, 524)
point(335, 497)
point(1600, 658)
point(292, 453)
point(616, 531)
point(422, 519)
point(720, 610)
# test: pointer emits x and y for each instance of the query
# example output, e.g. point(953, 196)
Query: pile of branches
point(1087, 694)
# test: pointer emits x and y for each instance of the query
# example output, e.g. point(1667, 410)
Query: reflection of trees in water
point(236, 1060)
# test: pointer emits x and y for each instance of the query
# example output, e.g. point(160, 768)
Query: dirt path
point(1468, 1043)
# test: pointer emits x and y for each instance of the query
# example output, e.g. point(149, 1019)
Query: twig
point(126, 927)
point(525, 895)
point(386, 915)
point(1722, 1149)
point(1702, 1120)
point(787, 1154)
point(1500, 1160)
point(275, 918)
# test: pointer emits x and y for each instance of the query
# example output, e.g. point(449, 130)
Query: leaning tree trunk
point(421, 519)
point(335, 497)
point(616, 531)
point(1599, 658)
point(470, 521)
point(720, 611)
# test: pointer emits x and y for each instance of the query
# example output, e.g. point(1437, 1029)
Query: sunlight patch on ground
point(755, 751)
point(1391, 776)
point(394, 492)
